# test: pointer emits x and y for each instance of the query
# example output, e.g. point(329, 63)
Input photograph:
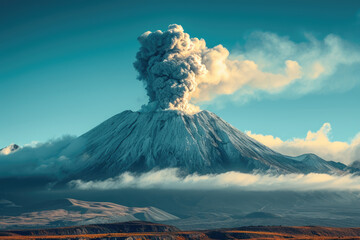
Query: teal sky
point(66, 66)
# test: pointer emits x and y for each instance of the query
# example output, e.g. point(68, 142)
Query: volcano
point(170, 132)
point(201, 143)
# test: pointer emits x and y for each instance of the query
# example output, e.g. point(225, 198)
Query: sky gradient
point(66, 66)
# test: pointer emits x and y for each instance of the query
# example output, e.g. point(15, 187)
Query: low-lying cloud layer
point(314, 142)
point(177, 69)
point(37, 159)
point(169, 179)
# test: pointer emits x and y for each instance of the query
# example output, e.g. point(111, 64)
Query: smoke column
point(169, 64)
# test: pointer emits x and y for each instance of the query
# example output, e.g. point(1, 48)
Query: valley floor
point(258, 232)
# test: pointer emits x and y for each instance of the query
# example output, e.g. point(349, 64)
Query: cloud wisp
point(177, 69)
point(314, 142)
point(169, 179)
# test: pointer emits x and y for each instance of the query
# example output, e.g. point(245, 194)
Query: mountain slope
point(69, 211)
point(9, 149)
point(202, 143)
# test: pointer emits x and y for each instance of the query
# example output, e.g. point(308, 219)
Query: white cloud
point(318, 62)
point(314, 142)
point(169, 179)
point(226, 75)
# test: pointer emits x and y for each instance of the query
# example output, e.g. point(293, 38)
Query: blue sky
point(66, 66)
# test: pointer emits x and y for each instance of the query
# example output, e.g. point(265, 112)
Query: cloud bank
point(314, 142)
point(169, 179)
point(177, 69)
point(37, 159)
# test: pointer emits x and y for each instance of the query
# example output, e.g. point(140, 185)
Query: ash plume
point(176, 68)
point(169, 64)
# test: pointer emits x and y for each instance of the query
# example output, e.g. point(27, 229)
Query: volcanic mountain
point(199, 143)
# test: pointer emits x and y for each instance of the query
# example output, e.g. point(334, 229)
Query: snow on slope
point(9, 149)
point(71, 211)
point(202, 143)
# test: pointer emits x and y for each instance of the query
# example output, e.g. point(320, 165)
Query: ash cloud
point(169, 63)
point(177, 69)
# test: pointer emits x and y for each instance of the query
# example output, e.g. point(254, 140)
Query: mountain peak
point(9, 149)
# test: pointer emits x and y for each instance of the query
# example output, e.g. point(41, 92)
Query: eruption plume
point(176, 68)
point(169, 64)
